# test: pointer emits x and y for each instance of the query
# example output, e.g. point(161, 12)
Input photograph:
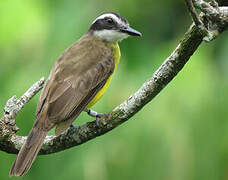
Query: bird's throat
point(116, 51)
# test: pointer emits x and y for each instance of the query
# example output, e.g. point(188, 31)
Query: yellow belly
point(116, 56)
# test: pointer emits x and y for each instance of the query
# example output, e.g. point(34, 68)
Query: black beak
point(131, 31)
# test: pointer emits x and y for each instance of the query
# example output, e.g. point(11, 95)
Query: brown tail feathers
point(28, 152)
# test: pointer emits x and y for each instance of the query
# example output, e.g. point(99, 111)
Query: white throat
point(110, 35)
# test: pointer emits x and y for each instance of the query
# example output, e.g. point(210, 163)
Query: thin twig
point(211, 10)
point(195, 16)
point(14, 105)
point(214, 16)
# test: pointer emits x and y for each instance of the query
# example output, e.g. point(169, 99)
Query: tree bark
point(214, 21)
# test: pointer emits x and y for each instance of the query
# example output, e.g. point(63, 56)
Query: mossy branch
point(215, 20)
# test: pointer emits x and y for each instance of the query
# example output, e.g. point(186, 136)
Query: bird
point(78, 79)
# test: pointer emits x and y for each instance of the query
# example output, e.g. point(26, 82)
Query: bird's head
point(112, 27)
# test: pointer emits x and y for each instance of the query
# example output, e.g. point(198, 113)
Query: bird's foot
point(95, 114)
point(72, 127)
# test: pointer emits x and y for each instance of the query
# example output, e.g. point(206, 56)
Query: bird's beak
point(131, 31)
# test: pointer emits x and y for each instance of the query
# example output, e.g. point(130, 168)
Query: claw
point(72, 127)
point(97, 121)
point(96, 115)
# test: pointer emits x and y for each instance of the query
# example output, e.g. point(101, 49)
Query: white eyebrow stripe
point(118, 20)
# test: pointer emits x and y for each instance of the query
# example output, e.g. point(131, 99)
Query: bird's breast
point(116, 57)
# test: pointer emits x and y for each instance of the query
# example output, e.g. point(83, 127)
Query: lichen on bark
point(11, 143)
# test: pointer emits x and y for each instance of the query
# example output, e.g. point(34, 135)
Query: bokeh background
point(181, 134)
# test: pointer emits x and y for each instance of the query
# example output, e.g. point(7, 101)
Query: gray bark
point(214, 22)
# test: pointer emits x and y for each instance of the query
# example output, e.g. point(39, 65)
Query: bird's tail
point(28, 152)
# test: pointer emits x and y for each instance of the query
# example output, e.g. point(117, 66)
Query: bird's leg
point(95, 114)
point(72, 127)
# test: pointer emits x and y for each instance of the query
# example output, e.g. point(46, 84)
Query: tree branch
point(11, 143)
point(194, 14)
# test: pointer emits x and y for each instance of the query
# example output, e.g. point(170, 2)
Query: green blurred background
point(181, 134)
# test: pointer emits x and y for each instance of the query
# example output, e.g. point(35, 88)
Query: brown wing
point(75, 79)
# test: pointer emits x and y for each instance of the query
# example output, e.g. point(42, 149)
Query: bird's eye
point(109, 20)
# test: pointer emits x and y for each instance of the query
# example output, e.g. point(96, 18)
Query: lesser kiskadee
point(77, 81)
